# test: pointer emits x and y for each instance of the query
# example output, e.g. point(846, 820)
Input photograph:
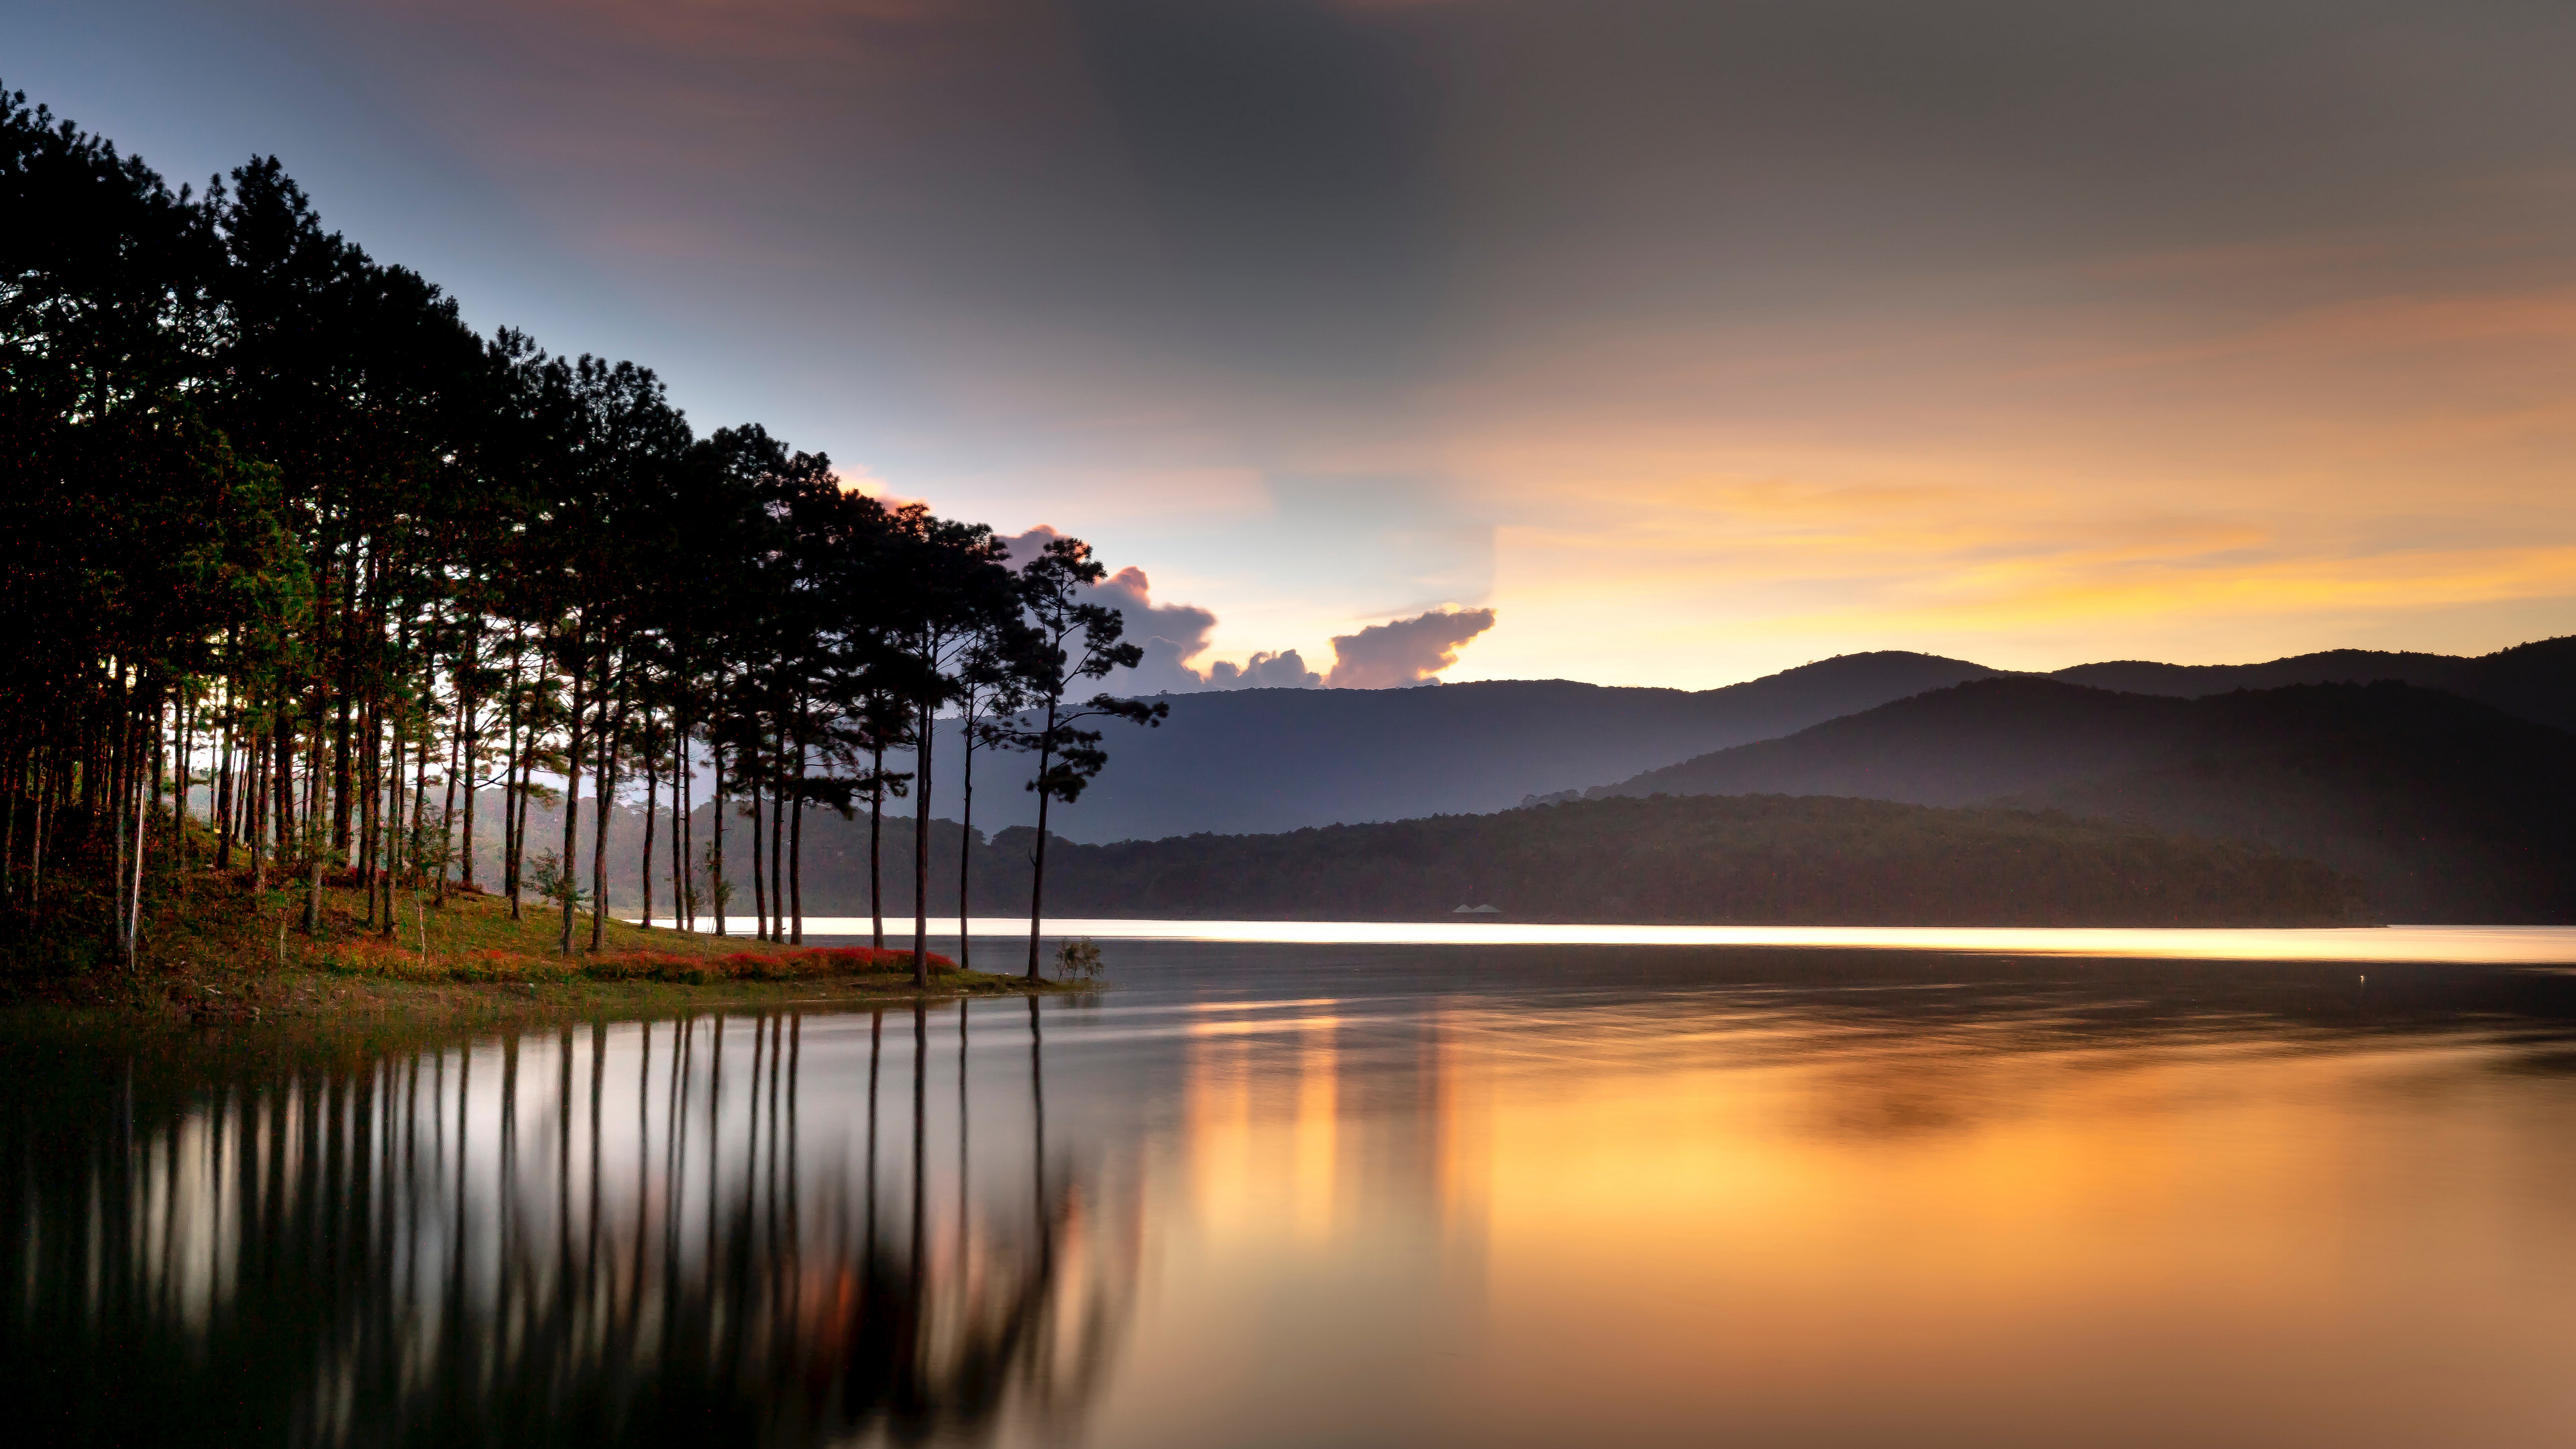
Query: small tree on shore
point(1074, 640)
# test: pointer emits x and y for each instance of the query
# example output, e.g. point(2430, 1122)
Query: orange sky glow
point(1694, 340)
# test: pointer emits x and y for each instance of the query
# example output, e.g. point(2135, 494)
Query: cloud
point(1172, 635)
point(1407, 651)
point(1284, 670)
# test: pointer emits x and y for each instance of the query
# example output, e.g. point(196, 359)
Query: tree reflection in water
point(634, 1234)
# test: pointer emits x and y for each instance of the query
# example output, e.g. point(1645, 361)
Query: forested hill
point(2534, 681)
point(2446, 809)
point(1771, 859)
point(1280, 759)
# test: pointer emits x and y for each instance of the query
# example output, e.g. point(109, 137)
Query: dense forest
point(1711, 859)
point(300, 569)
point(2445, 808)
point(1699, 860)
point(1258, 761)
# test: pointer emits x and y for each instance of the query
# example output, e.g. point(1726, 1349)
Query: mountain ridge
point(1265, 760)
point(2448, 809)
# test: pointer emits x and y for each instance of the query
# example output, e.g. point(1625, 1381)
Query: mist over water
point(1362, 1194)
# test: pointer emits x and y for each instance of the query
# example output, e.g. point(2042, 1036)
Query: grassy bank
point(215, 953)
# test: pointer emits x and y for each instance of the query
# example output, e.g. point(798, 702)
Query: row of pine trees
point(301, 575)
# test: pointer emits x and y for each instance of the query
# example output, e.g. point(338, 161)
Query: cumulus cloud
point(1265, 670)
point(1407, 651)
point(1172, 636)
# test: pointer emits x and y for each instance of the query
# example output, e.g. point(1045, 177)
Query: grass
point(213, 952)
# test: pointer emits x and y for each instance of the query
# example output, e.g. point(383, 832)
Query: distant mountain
point(2446, 809)
point(2443, 809)
point(1745, 859)
point(1704, 860)
point(1255, 760)
point(1281, 759)
point(2532, 681)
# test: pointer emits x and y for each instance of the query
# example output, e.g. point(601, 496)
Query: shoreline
point(309, 1002)
point(218, 956)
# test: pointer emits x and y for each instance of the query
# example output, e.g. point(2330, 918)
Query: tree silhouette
point(1075, 640)
point(289, 539)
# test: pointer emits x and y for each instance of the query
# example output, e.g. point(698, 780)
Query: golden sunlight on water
point(1388, 1196)
point(2503, 944)
point(1611, 1227)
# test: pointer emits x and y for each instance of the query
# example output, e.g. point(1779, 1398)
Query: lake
point(1316, 1192)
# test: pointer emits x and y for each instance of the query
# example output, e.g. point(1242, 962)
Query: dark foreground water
point(1347, 1196)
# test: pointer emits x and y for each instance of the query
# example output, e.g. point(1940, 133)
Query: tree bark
point(514, 820)
point(965, 831)
point(142, 807)
point(796, 847)
point(223, 795)
point(572, 800)
point(684, 831)
point(777, 837)
point(921, 848)
point(612, 730)
point(652, 810)
point(1037, 857)
point(759, 873)
point(393, 815)
point(715, 855)
point(876, 840)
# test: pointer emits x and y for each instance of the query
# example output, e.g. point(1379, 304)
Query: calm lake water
point(1354, 1194)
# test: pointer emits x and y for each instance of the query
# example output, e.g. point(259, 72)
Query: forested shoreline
point(1752, 859)
point(1697, 860)
point(301, 567)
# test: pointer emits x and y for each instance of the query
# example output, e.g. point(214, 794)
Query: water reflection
point(1285, 1195)
point(629, 1233)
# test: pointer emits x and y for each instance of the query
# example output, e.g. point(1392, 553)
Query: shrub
point(754, 965)
point(1078, 960)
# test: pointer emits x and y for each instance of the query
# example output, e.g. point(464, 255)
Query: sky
point(1664, 342)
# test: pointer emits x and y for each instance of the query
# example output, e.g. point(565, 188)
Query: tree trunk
point(921, 848)
point(469, 765)
point(876, 840)
point(777, 838)
point(48, 777)
point(759, 873)
point(414, 831)
point(796, 848)
point(447, 805)
point(254, 806)
point(1037, 857)
point(683, 830)
point(526, 794)
point(715, 854)
point(222, 802)
point(119, 747)
point(142, 808)
point(572, 801)
point(469, 740)
point(393, 815)
point(612, 730)
point(181, 766)
point(965, 831)
point(652, 809)
point(9, 827)
point(368, 768)
point(281, 788)
point(312, 825)
point(513, 822)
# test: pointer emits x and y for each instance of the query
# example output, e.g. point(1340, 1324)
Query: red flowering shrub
point(755, 965)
